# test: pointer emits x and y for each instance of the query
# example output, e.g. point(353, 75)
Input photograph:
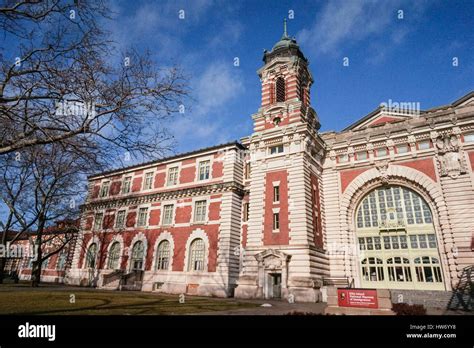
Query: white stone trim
point(209, 158)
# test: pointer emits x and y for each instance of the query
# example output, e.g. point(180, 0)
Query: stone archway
point(387, 174)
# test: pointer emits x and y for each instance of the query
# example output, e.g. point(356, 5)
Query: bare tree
point(62, 78)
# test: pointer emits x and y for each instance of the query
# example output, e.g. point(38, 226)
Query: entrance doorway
point(274, 285)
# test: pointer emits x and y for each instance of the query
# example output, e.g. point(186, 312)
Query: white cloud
point(341, 23)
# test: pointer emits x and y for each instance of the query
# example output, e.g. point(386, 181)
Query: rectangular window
point(104, 190)
point(402, 148)
point(381, 152)
point(424, 145)
point(469, 138)
point(126, 184)
point(98, 219)
point(142, 216)
point(148, 181)
point(247, 170)
point(172, 176)
point(342, 158)
point(276, 193)
point(200, 211)
point(361, 155)
point(168, 214)
point(276, 149)
point(204, 168)
point(276, 221)
point(246, 212)
point(120, 221)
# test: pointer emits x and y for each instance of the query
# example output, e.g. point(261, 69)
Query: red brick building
point(289, 211)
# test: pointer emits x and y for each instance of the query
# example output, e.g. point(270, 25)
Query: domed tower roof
point(286, 47)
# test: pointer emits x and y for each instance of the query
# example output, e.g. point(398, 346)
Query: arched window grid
point(197, 255)
point(163, 255)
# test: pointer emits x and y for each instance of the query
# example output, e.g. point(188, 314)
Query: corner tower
point(283, 244)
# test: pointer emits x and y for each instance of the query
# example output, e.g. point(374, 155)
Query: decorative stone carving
point(449, 155)
point(382, 167)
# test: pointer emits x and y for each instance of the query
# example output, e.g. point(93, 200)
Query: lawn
point(44, 301)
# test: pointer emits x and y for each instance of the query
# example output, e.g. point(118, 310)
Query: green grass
point(97, 302)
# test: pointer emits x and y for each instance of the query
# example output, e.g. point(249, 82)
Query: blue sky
point(409, 59)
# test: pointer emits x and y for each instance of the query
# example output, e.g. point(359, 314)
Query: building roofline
point(169, 158)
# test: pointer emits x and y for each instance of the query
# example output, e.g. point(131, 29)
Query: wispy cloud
point(342, 23)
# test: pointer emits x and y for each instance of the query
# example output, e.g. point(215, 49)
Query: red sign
point(357, 298)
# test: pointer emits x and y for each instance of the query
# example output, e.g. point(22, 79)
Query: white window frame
point(124, 218)
point(399, 146)
point(145, 188)
point(203, 160)
point(204, 220)
point(104, 193)
point(359, 153)
point(146, 216)
point(423, 143)
point(129, 185)
point(278, 152)
point(163, 205)
point(168, 168)
point(94, 226)
point(377, 154)
point(469, 138)
point(343, 158)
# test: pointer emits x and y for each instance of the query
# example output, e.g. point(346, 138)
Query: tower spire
point(285, 33)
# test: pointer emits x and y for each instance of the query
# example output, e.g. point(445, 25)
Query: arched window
point(196, 255)
point(428, 269)
point(399, 269)
point(280, 90)
point(372, 269)
point(91, 256)
point(163, 255)
point(137, 256)
point(114, 256)
point(61, 263)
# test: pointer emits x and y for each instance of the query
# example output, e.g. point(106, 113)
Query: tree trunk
point(3, 262)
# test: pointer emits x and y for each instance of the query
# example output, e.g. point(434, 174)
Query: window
point(381, 152)
point(428, 269)
point(276, 149)
point(246, 212)
point(276, 193)
point(200, 211)
point(172, 176)
point(163, 255)
point(138, 252)
point(91, 256)
point(247, 170)
point(196, 255)
point(148, 181)
point(104, 190)
point(342, 158)
point(361, 155)
point(126, 185)
point(61, 263)
point(372, 269)
point(280, 90)
point(168, 214)
point(98, 219)
point(402, 148)
point(204, 168)
point(276, 221)
point(114, 256)
point(399, 269)
point(469, 138)
point(142, 216)
point(424, 145)
point(120, 221)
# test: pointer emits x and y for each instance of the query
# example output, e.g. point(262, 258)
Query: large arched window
point(280, 90)
point(196, 255)
point(114, 256)
point(91, 256)
point(163, 255)
point(138, 251)
point(396, 237)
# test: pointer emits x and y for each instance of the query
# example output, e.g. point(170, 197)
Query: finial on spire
point(285, 33)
